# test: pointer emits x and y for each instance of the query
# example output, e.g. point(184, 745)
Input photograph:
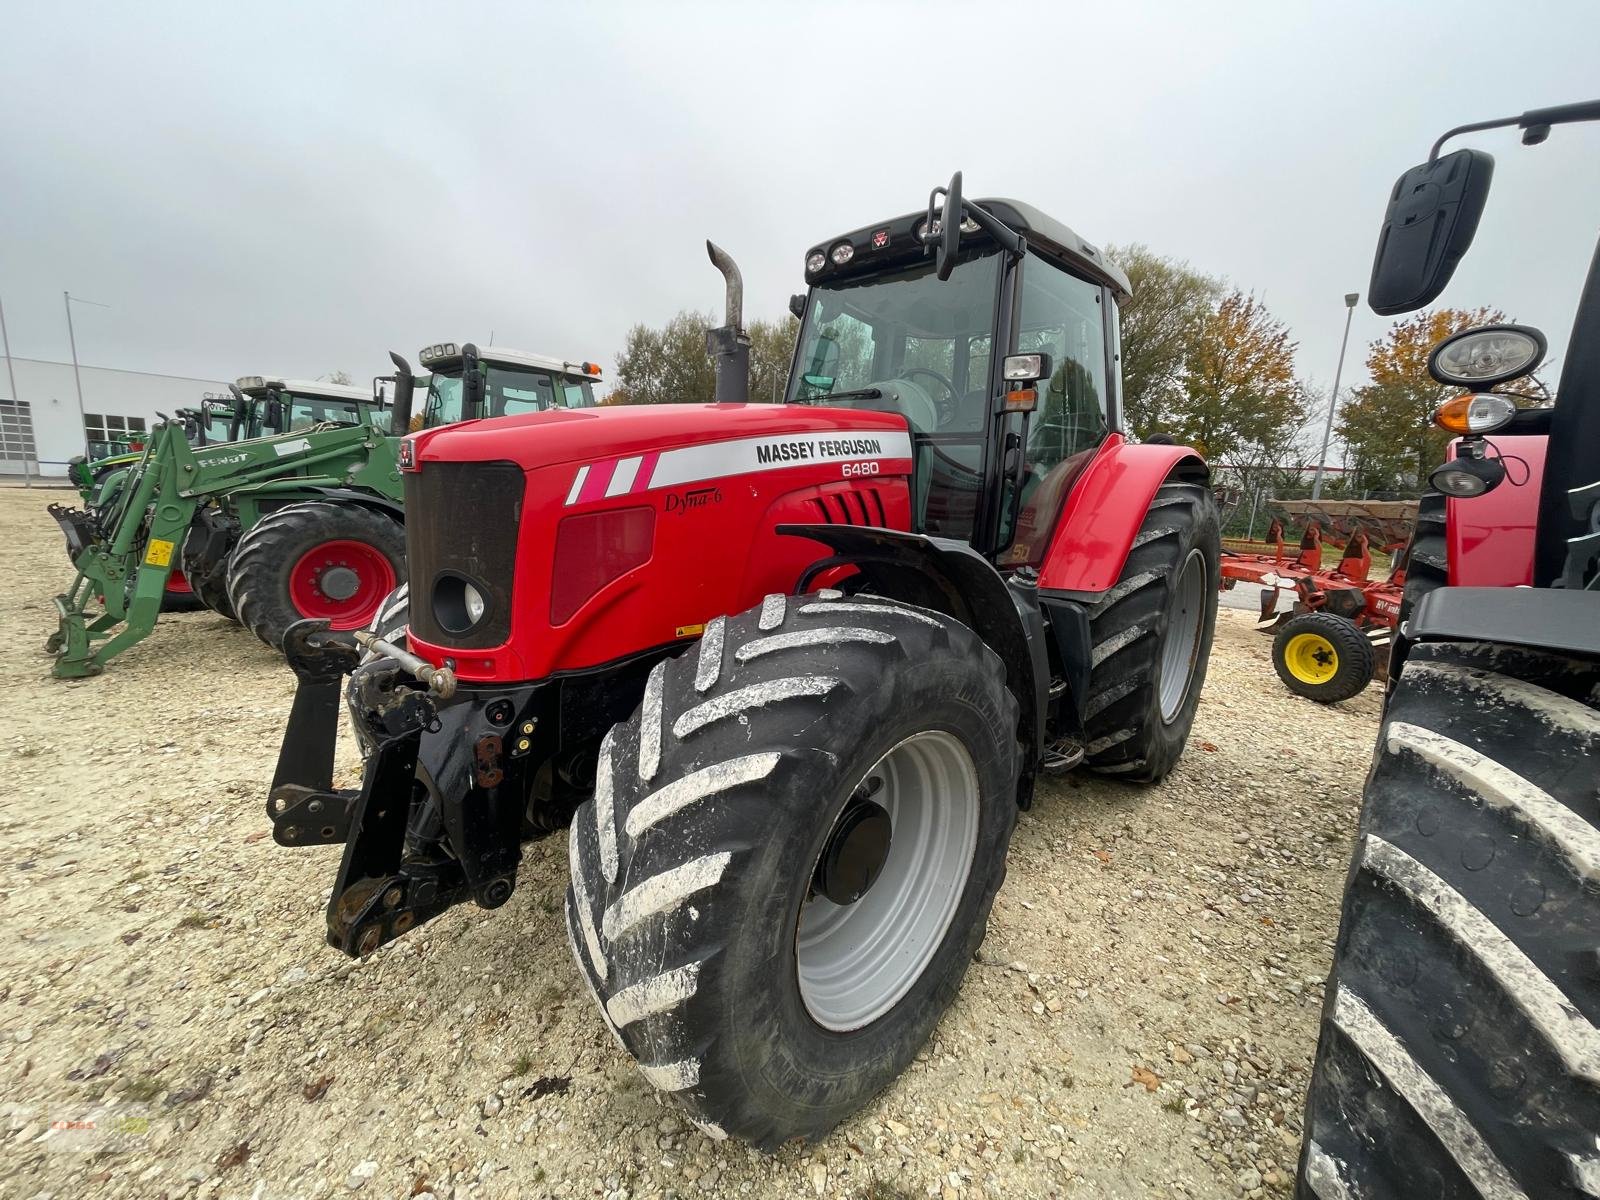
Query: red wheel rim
point(178, 584)
point(342, 581)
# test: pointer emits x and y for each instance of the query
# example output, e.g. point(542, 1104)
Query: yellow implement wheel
point(1311, 658)
point(1323, 657)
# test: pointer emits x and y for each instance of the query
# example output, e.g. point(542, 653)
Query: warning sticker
point(160, 553)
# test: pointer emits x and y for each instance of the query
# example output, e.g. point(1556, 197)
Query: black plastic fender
point(953, 578)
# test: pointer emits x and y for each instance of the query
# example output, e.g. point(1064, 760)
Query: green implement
point(124, 558)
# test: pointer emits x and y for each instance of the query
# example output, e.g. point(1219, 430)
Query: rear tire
point(1459, 1052)
point(691, 909)
point(1151, 634)
point(318, 558)
point(1323, 657)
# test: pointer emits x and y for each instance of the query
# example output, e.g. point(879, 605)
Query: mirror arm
point(1536, 122)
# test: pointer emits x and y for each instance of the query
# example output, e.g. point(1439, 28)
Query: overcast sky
point(300, 190)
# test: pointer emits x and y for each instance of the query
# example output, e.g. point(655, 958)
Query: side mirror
point(1432, 217)
point(797, 306)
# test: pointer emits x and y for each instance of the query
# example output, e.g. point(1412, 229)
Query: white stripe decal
point(693, 788)
point(578, 481)
point(673, 1077)
point(580, 901)
point(1427, 1099)
point(1325, 1175)
point(1504, 789)
point(756, 695)
point(1560, 713)
point(882, 610)
point(661, 892)
point(817, 636)
point(650, 723)
point(654, 995)
point(708, 659)
point(605, 816)
point(1575, 1041)
point(622, 478)
point(692, 464)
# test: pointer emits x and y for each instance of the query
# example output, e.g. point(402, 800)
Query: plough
point(1331, 627)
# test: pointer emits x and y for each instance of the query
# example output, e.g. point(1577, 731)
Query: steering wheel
point(949, 407)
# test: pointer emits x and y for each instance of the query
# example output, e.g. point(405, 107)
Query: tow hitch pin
point(441, 681)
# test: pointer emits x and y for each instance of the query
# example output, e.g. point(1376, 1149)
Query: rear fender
point(950, 577)
point(1105, 509)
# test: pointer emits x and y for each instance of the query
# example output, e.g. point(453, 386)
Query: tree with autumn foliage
point(1388, 423)
point(1238, 390)
point(1170, 304)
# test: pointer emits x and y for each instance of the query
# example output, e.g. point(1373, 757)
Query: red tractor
point(787, 671)
point(1460, 1047)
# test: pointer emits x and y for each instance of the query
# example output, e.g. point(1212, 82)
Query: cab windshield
point(507, 391)
point(306, 411)
point(910, 344)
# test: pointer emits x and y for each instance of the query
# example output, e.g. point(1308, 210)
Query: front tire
point(1151, 635)
point(318, 558)
point(1459, 1053)
point(698, 914)
point(1323, 657)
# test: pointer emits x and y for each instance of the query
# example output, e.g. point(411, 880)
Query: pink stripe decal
point(594, 487)
point(641, 481)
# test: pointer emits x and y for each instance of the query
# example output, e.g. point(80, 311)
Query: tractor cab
point(277, 405)
point(998, 344)
point(468, 383)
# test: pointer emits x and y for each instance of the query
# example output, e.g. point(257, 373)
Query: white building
point(40, 426)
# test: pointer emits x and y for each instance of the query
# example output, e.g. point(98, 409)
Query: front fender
point(1105, 509)
point(950, 577)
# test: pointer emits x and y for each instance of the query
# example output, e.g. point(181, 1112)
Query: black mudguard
point(951, 577)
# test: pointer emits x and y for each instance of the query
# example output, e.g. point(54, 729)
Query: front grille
point(461, 521)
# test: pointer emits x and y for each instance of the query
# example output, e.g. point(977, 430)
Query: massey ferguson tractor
point(1460, 1046)
point(786, 671)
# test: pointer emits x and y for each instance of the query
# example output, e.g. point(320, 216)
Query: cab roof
point(877, 245)
point(506, 356)
point(306, 387)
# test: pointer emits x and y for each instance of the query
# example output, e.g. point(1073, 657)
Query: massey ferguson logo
point(682, 502)
point(819, 448)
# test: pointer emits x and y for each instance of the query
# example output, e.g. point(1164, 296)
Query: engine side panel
point(699, 522)
point(1489, 539)
point(1105, 509)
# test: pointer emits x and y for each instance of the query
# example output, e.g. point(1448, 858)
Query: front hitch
point(457, 767)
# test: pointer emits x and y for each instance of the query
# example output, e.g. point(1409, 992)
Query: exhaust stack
point(729, 345)
point(400, 410)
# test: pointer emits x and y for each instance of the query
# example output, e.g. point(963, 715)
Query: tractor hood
point(788, 433)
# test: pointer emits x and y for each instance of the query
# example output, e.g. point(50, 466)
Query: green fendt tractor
point(272, 530)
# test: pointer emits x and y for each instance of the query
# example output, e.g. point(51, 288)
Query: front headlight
point(473, 600)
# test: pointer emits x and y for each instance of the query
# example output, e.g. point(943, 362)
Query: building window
point(16, 432)
point(111, 428)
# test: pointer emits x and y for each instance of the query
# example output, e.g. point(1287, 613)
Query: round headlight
point(1466, 477)
point(1490, 354)
point(472, 598)
point(842, 253)
point(815, 261)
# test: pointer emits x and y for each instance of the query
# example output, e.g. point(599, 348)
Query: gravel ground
point(1140, 1021)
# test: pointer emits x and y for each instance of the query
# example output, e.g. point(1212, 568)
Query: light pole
point(66, 299)
point(1333, 404)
